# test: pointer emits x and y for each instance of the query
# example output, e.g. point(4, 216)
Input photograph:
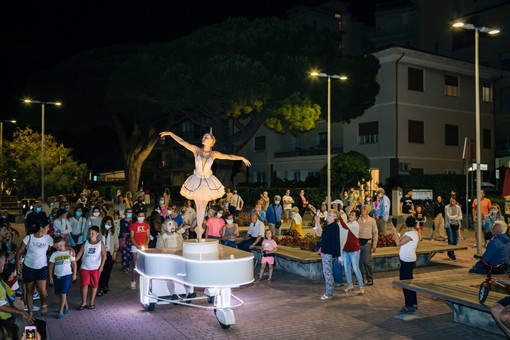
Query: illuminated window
point(451, 85)
point(486, 92)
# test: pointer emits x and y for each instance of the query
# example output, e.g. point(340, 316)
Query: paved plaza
point(287, 308)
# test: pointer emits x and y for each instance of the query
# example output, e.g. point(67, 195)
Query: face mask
point(140, 219)
point(226, 204)
point(159, 211)
point(276, 202)
point(107, 226)
point(219, 215)
point(367, 199)
point(96, 214)
point(293, 214)
point(67, 209)
point(205, 214)
point(129, 215)
point(161, 202)
point(379, 195)
point(230, 221)
point(129, 196)
point(494, 212)
point(79, 213)
point(52, 204)
point(140, 201)
point(38, 210)
point(170, 211)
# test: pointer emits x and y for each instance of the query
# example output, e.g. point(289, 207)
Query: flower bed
point(309, 242)
point(386, 241)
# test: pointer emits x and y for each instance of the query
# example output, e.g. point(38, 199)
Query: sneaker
point(34, 309)
point(325, 297)
point(37, 296)
point(133, 284)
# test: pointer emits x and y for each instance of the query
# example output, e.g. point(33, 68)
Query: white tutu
point(202, 188)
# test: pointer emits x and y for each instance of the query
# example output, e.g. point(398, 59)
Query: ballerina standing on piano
point(203, 186)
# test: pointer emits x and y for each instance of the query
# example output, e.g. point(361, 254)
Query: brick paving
point(287, 308)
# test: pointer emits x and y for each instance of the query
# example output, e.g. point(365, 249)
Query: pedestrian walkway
point(286, 308)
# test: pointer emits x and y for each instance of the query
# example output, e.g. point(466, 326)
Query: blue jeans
point(338, 271)
point(351, 259)
point(453, 238)
point(327, 270)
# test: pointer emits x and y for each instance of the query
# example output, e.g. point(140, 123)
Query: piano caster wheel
point(210, 299)
point(151, 306)
point(221, 324)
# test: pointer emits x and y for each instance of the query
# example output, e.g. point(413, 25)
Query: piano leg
point(223, 313)
point(145, 299)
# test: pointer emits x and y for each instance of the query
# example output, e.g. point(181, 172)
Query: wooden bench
point(309, 264)
point(461, 294)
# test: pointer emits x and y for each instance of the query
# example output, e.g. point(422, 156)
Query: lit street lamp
point(477, 132)
point(324, 75)
point(29, 101)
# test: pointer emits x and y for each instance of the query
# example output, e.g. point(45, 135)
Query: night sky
point(37, 35)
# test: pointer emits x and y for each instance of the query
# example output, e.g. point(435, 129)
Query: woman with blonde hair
point(488, 223)
point(202, 186)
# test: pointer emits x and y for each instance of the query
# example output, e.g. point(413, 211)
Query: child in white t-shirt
point(62, 269)
point(267, 250)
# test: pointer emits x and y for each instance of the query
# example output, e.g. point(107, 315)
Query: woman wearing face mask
point(78, 225)
point(163, 207)
point(494, 215)
point(112, 249)
point(95, 218)
point(62, 226)
point(230, 232)
point(296, 223)
point(125, 241)
point(214, 225)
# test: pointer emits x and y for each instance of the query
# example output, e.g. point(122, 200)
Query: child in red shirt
point(140, 237)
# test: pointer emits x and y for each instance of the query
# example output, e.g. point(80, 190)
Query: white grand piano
point(206, 264)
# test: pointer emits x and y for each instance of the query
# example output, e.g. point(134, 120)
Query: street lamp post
point(329, 76)
point(477, 127)
point(1, 152)
point(29, 101)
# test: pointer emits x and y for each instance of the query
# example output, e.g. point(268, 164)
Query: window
point(260, 144)
point(487, 139)
point(322, 139)
point(451, 85)
point(294, 176)
point(486, 92)
point(416, 130)
point(368, 133)
point(414, 79)
point(416, 172)
point(451, 135)
point(295, 142)
point(260, 176)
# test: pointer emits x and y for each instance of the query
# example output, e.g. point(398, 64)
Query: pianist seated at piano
point(254, 235)
point(169, 237)
point(171, 241)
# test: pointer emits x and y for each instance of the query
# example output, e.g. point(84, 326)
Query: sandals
point(60, 316)
point(91, 307)
point(66, 310)
point(82, 307)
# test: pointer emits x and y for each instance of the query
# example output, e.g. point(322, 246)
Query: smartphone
point(394, 221)
point(30, 332)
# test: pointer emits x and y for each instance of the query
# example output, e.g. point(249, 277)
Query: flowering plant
point(243, 219)
point(386, 241)
point(309, 242)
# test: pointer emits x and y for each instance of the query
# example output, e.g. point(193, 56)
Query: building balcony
point(309, 152)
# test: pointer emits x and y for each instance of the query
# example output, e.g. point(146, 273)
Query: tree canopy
point(21, 165)
point(233, 76)
point(347, 169)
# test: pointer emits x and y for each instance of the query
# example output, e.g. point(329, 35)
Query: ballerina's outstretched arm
point(220, 155)
point(190, 147)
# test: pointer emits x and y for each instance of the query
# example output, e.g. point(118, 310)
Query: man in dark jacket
point(498, 250)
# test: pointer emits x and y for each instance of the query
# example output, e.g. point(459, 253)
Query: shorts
point(134, 249)
point(89, 278)
point(31, 274)
point(267, 259)
point(62, 284)
point(420, 227)
point(287, 214)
